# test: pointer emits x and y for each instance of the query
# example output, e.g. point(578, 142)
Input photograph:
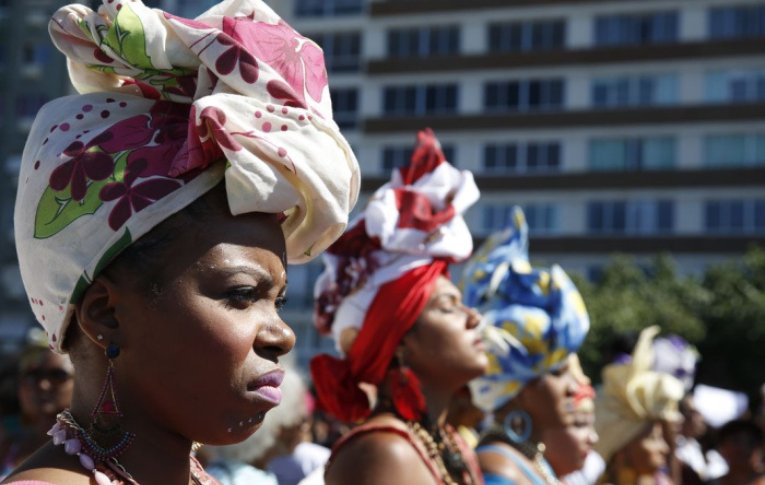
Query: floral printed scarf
point(169, 108)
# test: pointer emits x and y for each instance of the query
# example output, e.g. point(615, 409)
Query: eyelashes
point(246, 296)
point(280, 302)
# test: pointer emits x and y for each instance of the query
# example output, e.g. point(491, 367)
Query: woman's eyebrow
point(256, 272)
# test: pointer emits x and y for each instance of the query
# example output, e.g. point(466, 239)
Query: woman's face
point(567, 448)
point(45, 386)
point(648, 452)
point(549, 400)
point(443, 347)
point(202, 355)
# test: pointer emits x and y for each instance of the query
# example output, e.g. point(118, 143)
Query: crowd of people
point(156, 214)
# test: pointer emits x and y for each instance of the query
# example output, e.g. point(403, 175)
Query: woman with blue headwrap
point(536, 319)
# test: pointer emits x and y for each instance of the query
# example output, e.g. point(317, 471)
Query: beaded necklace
point(534, 452)
point(69, 433)
point(445, 453)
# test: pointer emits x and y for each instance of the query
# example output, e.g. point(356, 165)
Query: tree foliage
point(722, 312)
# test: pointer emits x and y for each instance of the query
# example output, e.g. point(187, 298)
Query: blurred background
point(632, 132)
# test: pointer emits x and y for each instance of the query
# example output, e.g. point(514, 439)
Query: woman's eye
point(238, 297)
point(280, 302)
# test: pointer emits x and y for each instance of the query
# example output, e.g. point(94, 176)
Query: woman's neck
point(157, 455)
point(437, 401)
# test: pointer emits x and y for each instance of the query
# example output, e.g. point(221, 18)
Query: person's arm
point(378, 459)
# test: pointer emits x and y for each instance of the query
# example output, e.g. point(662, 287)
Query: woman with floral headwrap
point(401, 329)
point(630, 415)
point(155, 216)
point(536, 319)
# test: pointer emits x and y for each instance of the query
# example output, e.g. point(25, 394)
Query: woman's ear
point(96, 313)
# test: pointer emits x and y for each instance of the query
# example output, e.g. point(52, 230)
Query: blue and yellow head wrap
point(535, 317)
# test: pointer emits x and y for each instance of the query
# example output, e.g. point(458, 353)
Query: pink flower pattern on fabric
point(85, 165)
point(134, 198)
point(298, 60)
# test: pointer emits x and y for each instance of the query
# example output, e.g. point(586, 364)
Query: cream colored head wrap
point(634, 396)
point(169, 108)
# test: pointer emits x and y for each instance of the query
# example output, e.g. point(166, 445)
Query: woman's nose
point(275, 339)
point(473, 317)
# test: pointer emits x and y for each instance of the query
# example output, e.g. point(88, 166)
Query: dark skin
point(45, 389)
point(443, 349)
point(567, 448)
point(645, 455)
point(190, 352)
point(745, 459)
point(549, 401)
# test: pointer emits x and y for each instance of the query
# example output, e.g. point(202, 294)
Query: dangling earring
point(512, 434)
point(105, 439)
point(407, 397)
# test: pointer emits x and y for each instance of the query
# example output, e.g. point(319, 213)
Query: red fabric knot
point(427, 156)
point(392, 313)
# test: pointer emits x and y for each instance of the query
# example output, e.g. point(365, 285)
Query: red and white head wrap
point(380, 274)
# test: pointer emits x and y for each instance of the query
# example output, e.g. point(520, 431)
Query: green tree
point(628, 298)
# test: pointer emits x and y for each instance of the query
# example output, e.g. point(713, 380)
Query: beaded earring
point(105, 439)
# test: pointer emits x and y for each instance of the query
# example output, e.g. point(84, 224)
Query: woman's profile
point(155, 216)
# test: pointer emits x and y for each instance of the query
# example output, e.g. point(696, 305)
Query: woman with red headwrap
point(406, 340)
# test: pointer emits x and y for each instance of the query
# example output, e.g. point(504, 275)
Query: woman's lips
point(267, 387)
point(479, 344)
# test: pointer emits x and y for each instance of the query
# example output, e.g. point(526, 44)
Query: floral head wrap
point(380, 274)
point(168, 109)
point(634, 396)
point(535, 317)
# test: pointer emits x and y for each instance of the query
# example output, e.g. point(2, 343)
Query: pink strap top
point(31, 483)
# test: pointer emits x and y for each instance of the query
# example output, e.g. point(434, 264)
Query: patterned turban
point(535, 317)
point(168, 109)
point(380, 274)
point(633, 397)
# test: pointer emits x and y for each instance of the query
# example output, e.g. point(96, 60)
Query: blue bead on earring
point(513, 435)
point(112, 351)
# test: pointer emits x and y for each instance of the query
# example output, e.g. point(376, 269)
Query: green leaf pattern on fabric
point(115, 249)
point(127, 38)
point(57, 210)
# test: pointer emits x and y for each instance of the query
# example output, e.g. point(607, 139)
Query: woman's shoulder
point(503, 464)
point(382, 447)
point(48, 465)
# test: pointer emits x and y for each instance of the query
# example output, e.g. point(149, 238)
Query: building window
point(537, 157)
point(739, 86)
point(27, 105)
point(342, 51)
point(526, 95)
point(740, 22)
point(399, 156)
point(345, 105)
point(420, 100)
point(634, 91)
point(735, 216)
point(542, 218)
point(527, 36)
point(328, 8)
point(735, 150)
point(36, 54)
point(623, 218)
point(424, 42)
point(645, 29)
point(631, 154)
